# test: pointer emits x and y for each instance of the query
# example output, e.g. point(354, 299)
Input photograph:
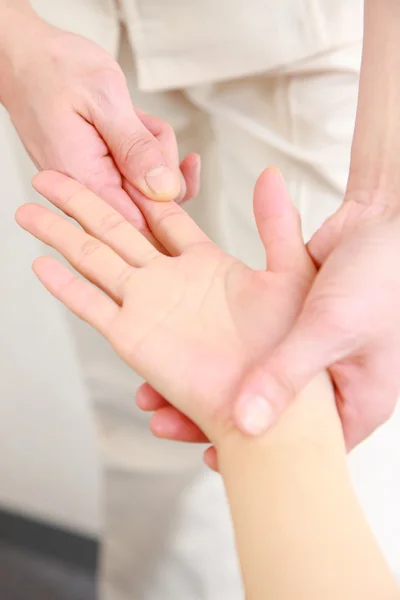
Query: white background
point(48, 456)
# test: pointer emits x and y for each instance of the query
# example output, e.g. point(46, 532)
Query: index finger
point(96, 217)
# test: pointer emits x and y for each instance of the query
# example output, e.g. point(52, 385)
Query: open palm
point(191, 323)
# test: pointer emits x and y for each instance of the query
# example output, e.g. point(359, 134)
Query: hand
point(193, 323)
point(350, 321)
point(70, 104)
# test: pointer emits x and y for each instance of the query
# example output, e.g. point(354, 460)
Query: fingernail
point(255, 415)
point(163, 181)
point(277, 171)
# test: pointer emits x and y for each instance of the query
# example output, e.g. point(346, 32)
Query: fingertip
point(141, 400)
point(35, 181)
point(169, 423)
point(279, 225)
point(253, 414)
point(271, 198)
point(190, 169)
point(54, 275)
point(210, 459)
point(157, 427)
point(161, 184)
point(148, 400)
point(192, 161)
point(20, 215)
point(275, 172)
point(25, 215)
point(43, 179)
point(270, 175)
point(40, 268)
point(41, 260)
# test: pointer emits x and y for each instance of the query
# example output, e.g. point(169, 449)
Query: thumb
point(278, 223)
point(327, 237)
point(140, 157)
point(268, 390)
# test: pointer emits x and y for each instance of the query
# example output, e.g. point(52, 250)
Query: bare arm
point(300, 532)
point(376, 146)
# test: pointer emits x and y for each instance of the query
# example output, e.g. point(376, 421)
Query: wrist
point(310, 424)
point(18, 35)
point(374, 187)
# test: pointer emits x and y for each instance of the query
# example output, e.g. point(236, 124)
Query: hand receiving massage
point(193, 323)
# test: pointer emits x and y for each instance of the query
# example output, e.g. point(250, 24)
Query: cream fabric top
point(184, 42)
point(178, 43)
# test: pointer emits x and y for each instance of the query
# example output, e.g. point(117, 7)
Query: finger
point(325, 240)
point(170, 224)
point(168, 423)
point(360, 424)
point(81, 298)
point(139, 155)
point(210, 458)
point(311, 347)
point(367, 391)
point(95, 216)
point(279, 226)
point(163, 132)
point(120, 200)
point(85, 157)
point(149, 400)
point(93, 259)
point(332, 231)
point(191, 169)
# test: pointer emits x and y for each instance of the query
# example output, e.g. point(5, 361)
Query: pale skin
point(156, 304)
point(350, 320)
point(77, 116)
point(300, 533)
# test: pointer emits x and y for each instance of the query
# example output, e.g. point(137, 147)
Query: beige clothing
point(278, 86)
point(185, 42)
point(179, 43)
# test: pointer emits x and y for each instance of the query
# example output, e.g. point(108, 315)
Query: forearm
point(299, 530)
point(375, 160)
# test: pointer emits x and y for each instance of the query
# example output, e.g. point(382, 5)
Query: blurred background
point(49, 468)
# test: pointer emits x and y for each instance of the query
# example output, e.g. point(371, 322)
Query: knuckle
point(108, 83)
point(162, 221)
point(87, 249)
point(68, 288)
point(169, 211)
point(51, 224)
point(135, 146)
point(72, 194)
point(110, 222)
